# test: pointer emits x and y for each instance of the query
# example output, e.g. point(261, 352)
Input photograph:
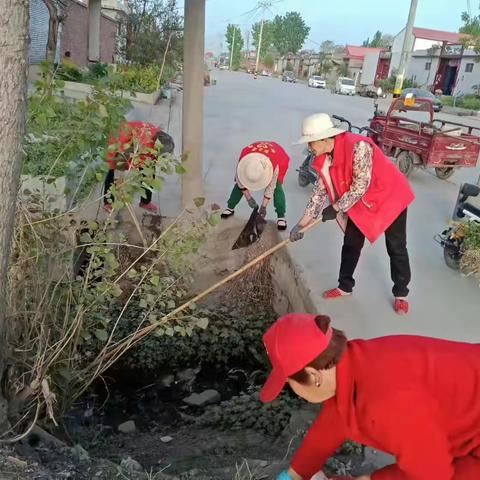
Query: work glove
point(262, 211)
point(296, 233)
point(252, 203)
point(329, 213)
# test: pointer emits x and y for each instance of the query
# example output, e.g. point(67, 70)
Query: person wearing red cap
point(416, 398)
point(134, 136)
point(261, 166)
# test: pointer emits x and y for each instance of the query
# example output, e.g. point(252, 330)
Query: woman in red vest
point(133, 136)
point(368, 197)
point(261, 166)
point(416, 398)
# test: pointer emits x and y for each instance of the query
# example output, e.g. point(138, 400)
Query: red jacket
point(387, 196)
point(141, 132)
point(416, 398)
point(274, 152)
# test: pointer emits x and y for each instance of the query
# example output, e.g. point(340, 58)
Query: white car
point(224, 67)
point(345, 86)
point(317, 82)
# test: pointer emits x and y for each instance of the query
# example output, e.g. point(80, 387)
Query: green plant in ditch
point(470, 260)
point(247, 412)
point(232, 338)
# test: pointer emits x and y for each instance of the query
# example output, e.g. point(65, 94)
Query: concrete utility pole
point(192, 122)
point(94, 17)
point(264, 6)
point(406, 49)
point(233, 46)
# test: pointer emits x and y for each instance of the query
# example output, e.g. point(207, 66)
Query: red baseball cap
point(292, 342)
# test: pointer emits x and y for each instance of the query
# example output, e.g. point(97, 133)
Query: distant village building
point(73, 37)
point(439, 61)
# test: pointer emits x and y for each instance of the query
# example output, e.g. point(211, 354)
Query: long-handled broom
point(119, 349)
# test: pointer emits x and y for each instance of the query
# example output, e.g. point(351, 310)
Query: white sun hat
point(255, 171)
point(318, 127)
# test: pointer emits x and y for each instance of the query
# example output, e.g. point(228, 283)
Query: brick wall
point(74, 37)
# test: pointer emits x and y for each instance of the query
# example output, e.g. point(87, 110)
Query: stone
point(130, 465)
point(80, 455)
point(127, 427)
point(207, 397)
point(166, 439)
point(17, 462)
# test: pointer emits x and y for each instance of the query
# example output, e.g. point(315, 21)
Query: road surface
point(240, 110)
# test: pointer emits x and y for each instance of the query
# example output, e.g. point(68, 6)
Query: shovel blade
point(251, 232)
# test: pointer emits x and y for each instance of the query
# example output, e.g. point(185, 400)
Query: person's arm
point(325, 436)
point(245, 191)
point(362, 175)
point(315, 204)
point(411, 430)
point(268, 194)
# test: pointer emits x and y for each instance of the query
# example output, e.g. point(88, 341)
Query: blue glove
point(284, 476)
point(252, 203)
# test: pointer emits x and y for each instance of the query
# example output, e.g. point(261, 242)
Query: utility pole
point(192, 117)
point(406, 49)
point(264, 6)
point(233, 46)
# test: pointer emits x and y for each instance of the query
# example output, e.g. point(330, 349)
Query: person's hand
point(252, 203)
point(262, 211)
point(296, 233)
point(329, 213)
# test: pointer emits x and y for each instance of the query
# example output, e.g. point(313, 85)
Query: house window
point(469, 67)
point(428, 65)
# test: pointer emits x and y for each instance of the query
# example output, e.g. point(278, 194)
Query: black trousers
point(110, 179)
point(396, 240)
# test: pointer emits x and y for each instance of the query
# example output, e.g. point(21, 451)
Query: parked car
point(266, 73)
point(424, 94)
point(371, 91)
point(288, 76)
point(317, 82)
point(224, 67)
point(345, 86)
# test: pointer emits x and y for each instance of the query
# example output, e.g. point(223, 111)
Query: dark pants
point(396, 240)
point(110, 179)
point(279, 201)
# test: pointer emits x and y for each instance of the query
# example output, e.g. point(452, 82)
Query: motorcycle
point(467, 209)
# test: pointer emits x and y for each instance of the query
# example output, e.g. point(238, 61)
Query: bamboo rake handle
point(125, 345)
point(235, 274)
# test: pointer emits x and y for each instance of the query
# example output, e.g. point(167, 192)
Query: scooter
point(467, 209)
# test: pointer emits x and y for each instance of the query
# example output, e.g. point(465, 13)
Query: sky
point(344, 21)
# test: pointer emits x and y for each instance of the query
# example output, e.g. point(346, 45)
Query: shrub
point(232, 338)
point(67, 70)
point(246, 411)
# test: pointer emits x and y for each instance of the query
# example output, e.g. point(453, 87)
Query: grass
point(470, 102)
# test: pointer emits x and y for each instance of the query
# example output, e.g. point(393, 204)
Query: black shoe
point(227, 213)
point(281, 224)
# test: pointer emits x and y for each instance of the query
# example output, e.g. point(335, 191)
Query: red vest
point(388, 195)
point(274, 152)
point(140, 131)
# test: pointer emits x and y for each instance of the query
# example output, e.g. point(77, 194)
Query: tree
point(343, 70)
point(290, 32)
point(234, 40)
point(325, 66)
point(327, 47)
point(379, 40)
point(268, 60)
point(267, 37)
point(152, 25)
point(14, 40)
point(56, 15)
point(471, 27)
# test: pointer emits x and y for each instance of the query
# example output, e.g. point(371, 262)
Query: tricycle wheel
point(303, 180)
point(405, 162)
point(452, 257)
point(444, 172)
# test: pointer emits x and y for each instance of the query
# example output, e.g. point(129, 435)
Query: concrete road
point(240, 110)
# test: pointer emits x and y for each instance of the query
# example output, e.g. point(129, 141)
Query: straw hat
point(318, 127)
point(255, 171)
